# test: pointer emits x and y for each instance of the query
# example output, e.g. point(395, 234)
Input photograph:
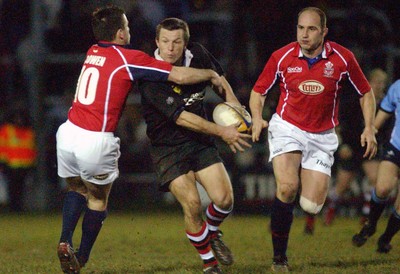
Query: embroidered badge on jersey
point(328, 70)
point(177, 89)
point(170, 100)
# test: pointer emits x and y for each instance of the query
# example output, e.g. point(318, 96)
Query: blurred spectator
point(351, 164)
point(17, 154)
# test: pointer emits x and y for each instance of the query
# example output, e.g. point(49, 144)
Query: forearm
point(381, 118)
point(368, 107)
point(227, 93)
point(256, 104)
point(187, 75)
point(197, 123)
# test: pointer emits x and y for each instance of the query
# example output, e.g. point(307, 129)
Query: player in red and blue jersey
point(301, 134)
point(87, 150)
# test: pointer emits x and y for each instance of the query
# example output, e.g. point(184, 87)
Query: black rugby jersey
point(162, 103)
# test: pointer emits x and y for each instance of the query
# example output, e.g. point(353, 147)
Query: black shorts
point(354, 162)
point(172, 162)
point(391, 154)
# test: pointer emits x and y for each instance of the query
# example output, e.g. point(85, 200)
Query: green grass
point(151, 242)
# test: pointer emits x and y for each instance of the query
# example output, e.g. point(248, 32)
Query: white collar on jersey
point(186, 61)
point(323, 54)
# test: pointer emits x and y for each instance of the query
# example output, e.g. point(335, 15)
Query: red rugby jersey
point(309, 96)
point(105, 81)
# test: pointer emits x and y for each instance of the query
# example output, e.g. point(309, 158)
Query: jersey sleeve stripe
point(125, 62)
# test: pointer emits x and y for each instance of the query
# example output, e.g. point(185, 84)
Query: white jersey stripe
point(284, 81)
point(125, 62)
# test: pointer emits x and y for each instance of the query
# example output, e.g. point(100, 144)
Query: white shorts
point(91, 155)
point(317, 148)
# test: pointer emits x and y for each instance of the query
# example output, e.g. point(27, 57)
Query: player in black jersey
point(182, 145)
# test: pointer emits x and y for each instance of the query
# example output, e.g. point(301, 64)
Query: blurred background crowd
point(43, 43)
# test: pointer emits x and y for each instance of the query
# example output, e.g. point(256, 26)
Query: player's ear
point(120, 34)
point(325, 31)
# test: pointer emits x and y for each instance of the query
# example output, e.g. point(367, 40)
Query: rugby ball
point(226, 114)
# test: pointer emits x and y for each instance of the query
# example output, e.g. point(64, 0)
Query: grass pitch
point(155, 242)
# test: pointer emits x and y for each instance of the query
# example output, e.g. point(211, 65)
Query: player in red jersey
point(87, 150)
point(301, 134)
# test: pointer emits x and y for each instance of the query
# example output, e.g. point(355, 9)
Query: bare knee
point(224, 200)
point(383, 191)
point(286, 192)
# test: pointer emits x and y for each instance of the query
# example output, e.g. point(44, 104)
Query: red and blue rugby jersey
point(104, 83)
point(309, 96)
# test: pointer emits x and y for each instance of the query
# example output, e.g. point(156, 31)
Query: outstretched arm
point(368, 106)
point(229, 134)
point(188, 75)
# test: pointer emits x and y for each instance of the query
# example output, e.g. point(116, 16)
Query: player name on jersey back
point(95, 60)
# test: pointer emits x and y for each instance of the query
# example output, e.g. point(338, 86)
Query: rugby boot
point(221, 251)
point(69, 263)
point(383, 247)
point(367, 231)
point(213, 270)
point(280, 264)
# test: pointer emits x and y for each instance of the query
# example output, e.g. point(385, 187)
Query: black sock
point(91, 225)
point(377, 207)
point(392, 227)
point(74, 204)
point(281, 221)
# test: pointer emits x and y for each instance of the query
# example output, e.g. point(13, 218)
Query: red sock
point(215, 216)
point(201, 241)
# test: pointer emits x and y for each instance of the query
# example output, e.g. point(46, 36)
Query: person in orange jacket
point(17, 154)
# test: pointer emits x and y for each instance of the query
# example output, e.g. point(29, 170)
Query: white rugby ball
point(226, 114)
